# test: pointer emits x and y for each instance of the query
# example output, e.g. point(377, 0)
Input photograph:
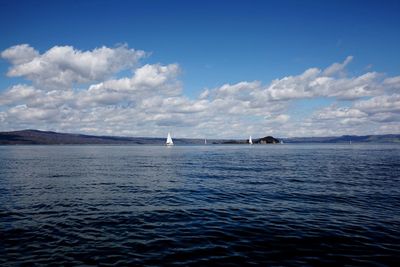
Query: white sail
point(169, 140)
point(250, 140)
point(205, 141)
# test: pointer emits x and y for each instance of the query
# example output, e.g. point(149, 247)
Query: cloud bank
point(110, 91)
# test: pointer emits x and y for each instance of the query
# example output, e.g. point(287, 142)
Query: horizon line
point(201, 138)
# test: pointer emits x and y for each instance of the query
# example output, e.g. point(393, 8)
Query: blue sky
point(215, 43)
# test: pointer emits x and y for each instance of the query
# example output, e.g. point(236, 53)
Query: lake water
point(200, 205)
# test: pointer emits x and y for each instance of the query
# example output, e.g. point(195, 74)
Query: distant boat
point(169, 140)
point(205, 141)
point(281, 142)
point(250, 140)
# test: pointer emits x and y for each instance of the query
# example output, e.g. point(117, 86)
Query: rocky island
point(266, 140)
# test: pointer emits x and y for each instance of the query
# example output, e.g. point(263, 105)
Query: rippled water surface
point(200, 205)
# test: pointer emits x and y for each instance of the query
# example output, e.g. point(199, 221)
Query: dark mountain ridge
point(36, 137)
point(385, 138)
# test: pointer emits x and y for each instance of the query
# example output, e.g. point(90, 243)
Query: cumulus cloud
point(20, 54)
point(148, 81)
point(392, 83)
point(337, 67)
point(314, 83)
point(151, 101)
point(62, 66)
point(371, 115)
point(333, 112)
point(281, 118)
point(24, 113)
point(19, 93)
point(379, 104)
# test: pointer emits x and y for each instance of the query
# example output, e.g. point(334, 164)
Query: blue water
point(200, 205)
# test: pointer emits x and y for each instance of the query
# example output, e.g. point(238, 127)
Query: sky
point(204, 69)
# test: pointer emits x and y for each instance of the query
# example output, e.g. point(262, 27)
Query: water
point(200, 205)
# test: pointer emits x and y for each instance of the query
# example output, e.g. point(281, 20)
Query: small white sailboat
point(169, 141)
point(250, 140)
point(205, 141)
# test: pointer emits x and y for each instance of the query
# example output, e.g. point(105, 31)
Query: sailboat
point(169, 140)
point(250, 140)
point(205, 141)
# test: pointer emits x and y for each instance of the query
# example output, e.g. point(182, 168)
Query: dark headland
point(36, 137)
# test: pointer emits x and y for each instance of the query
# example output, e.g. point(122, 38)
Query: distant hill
point(35, 137)
point(387, 138)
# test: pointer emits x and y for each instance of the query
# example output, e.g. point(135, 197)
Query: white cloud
point(369, 115)
point(62, 66)
point(386, 117)
point(19, 93)
point(379, 104)
point(364, 85)
point(151, 101)
point(312, 83)
point(147, 82)
point(337, 67)
point(392, 82)
point(25, 114)
point(281, 118)
point(333, 112)
point(390, 128)
point(292, 87)
point(20, 54)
